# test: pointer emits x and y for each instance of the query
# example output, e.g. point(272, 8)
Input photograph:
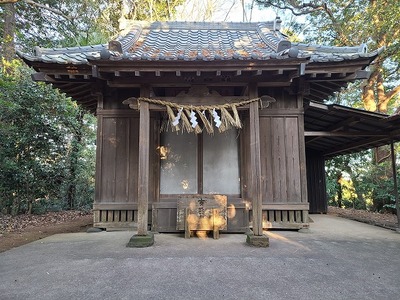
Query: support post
point(396, 193)
point(143, 237)
point(143, 168)
point(256, 168)
point(256, 238)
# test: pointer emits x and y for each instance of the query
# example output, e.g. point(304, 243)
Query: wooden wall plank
point(266, 159)
point(109, 154)
point(121, 166)
point(245, 160)
point(302, 152)
point(316, 182)
point(99, 164)
point(280, 159)
point(118, 160)
point(292, 160)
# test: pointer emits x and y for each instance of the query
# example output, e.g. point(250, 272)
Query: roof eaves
point(278, 44)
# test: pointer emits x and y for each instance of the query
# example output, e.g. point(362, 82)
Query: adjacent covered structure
point(199, 109)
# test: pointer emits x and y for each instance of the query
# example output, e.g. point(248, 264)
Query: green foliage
point(356, 181)
point(38, 127)
point(63, 23)
point(344, 176)
point(352, 23)
point(381, 186)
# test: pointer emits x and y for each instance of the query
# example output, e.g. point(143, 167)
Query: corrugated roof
point(335, 129)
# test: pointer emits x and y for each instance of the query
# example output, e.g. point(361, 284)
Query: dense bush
point(357, 181)
point(47, 146)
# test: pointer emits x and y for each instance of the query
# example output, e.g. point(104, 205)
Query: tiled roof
point(184, 41)
point(203, 41)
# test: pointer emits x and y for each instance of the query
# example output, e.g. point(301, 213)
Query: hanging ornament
point(196, 128)
point(177, 118)
point(238, 123)
point(207, 124)
point(193, 119)
point(217, 119)
point(185, 121)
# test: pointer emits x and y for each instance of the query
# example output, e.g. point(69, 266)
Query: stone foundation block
point(141, 241)
point(257, 240)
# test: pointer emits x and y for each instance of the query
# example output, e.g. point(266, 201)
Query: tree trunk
point(339, 190)
point(382, 99)
point(74, 161)
point(8, 45)
point(368, 96)
point(16, 205)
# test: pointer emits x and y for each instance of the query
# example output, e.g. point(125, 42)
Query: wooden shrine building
point(202, 109)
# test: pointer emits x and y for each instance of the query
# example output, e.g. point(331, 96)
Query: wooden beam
point(95, 71)
point(286, 206)
point(302, 69)
point(338, 126)
point(345, 133)
point(349, 147)
point(143, 163)
point(41, 76)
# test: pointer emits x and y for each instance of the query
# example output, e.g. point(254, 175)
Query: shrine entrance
point(199, 151)
point(199, 164)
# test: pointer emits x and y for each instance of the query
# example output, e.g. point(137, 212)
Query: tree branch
point(53, 10)
point(296, 9)
point(389, 95)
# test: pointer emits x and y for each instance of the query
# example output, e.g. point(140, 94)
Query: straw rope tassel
point(227, 118)
point(185, 121)
point(207, 125)
point(172, 117)
point(238, 122)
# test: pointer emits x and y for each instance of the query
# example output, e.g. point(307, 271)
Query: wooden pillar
point(255, 161)
point(396, 193)
point(143, 168)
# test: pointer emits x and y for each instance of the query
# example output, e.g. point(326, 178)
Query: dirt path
point(385, 220)
point(15, 232)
